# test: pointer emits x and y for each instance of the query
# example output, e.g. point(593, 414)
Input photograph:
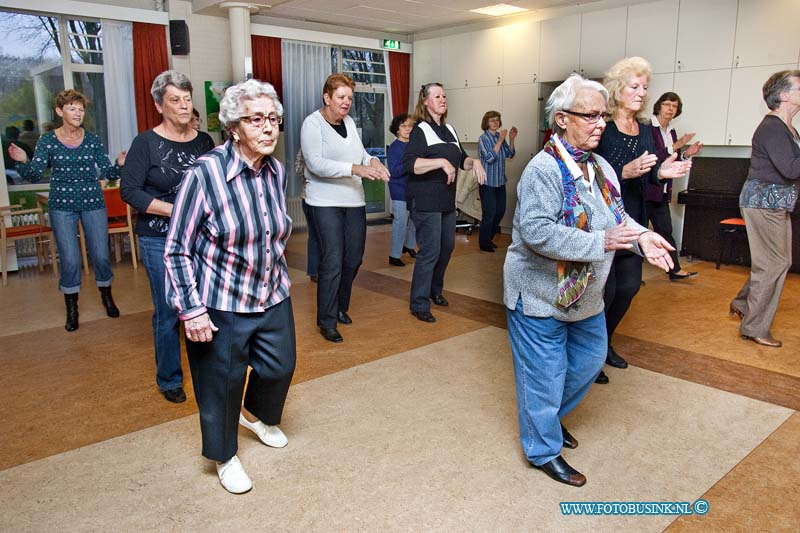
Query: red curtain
point(267, 61)
point(399, 73)
point(149, 60)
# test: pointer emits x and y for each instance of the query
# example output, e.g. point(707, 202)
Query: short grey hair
point(564, 95)
point(778, 83)
point(169, 77)
point(230, 107)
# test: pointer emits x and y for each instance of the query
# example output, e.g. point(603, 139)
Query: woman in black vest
point(431, 159)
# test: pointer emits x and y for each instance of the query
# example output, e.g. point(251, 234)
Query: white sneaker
point(269, 435)
point(233, 477)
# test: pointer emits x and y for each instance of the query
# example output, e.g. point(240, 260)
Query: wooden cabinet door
point(705, 103)
point(521, 53)
point(706, 30)
point(427, 61)
point(602, 40)
point(766, 33)
point(653, 33)
point(559, 52)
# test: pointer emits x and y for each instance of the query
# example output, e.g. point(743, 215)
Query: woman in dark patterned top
point(75, 157)
point(768, 197)
point(627, 144)
point(150, 181)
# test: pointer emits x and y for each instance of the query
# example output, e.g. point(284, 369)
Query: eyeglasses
point(258, 120)
point(591, 118)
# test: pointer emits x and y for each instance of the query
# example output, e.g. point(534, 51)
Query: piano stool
point(729, 228)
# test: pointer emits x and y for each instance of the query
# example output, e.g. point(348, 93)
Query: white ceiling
point(399, 16)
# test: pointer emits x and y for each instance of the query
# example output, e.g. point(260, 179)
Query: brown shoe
point(733, 310)
point(765, 341)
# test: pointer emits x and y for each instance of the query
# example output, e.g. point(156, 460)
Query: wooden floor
point(61, 391)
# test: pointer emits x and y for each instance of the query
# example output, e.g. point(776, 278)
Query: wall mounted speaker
point(179, 37)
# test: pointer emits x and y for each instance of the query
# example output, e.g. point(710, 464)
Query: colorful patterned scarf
point(573, 276)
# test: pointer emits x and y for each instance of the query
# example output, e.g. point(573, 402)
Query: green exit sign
point(391, 44)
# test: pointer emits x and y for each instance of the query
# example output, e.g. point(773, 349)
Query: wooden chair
point(11, 234)
point(120, 220)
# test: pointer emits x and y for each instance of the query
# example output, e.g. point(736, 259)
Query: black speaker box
point(179, 37)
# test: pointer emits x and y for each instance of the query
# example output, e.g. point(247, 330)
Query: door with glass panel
point(369, 111)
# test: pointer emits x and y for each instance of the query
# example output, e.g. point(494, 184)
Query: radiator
point(294, 206)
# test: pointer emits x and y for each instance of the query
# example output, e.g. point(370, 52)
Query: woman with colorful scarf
point(568, 223)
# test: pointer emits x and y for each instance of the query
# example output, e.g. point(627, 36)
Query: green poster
point(214, 91)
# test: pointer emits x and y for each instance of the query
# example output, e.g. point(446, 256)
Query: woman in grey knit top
point(768, 197)
point(568, 223)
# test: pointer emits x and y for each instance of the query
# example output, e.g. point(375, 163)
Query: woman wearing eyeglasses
point(627, 144)
point(336, 162)
point(227, 278)
point(150, 180)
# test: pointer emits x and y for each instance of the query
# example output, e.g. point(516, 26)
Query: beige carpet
point(426, 439)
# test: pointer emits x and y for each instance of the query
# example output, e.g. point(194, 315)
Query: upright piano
point(713, 195)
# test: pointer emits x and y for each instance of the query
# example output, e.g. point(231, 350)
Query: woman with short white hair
point(227, 278)
point(568, 223)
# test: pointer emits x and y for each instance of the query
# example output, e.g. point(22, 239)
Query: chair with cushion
point(729, 228)
point(9, 235)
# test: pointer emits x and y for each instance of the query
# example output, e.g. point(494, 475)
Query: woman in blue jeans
point(404, 239)
point(75, 155)
point(493, 149)
point(150, 182)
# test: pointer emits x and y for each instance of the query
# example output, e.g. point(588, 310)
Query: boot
point(108, 302)
point(72, 311)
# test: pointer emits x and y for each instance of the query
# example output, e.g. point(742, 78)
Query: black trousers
point(341, 233)
point(493, 208)
point(622, 284)
point(436, 236)
point(264, 341)
point(659, 217)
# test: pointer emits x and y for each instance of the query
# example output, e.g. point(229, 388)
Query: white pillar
point(241, 46)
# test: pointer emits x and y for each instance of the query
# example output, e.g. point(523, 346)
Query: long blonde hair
point(420, 111)
point(616, 78)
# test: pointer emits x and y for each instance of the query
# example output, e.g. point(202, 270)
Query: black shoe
point(331, 334)
point(71, 301)
point(486, 248)
point(425, 316)
point(569, 441)
point(343, 318)
point(175, 395)
point(410, 251)
point(560, 470)
point(678, 277)
point(493, 245)
point(601, 378)
point(614, 359)
point(440, 300)
point(314, 279)
point(396, 262)
point(108, 302)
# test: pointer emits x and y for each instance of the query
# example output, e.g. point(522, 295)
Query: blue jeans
point(403, 233)
point(341, 233)
point(166, 324)
point(555, 364)
point(95, 230)
point(436, 234)
point(493, 208)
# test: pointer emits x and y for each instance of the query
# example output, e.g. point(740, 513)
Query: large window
point(370, 112)
point(40, 56)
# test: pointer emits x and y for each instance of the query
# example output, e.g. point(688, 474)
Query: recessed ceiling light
point(498, 10)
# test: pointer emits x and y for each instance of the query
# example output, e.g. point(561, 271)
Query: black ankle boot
point(72, 311)
point(108, 302)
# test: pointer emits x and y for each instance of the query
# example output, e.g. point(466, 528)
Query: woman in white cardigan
point(336, 161)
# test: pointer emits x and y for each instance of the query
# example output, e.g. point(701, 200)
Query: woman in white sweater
point(336, 161)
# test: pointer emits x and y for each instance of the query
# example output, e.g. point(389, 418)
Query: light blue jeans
point(555, 364)
point(95, 231)
point(166, 324)
point(403, 232)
